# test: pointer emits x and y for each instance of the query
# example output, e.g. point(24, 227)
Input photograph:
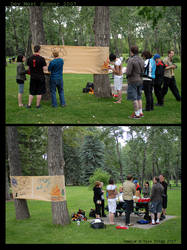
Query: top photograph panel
point(93, 65)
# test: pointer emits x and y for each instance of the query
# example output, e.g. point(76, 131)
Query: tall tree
point(21, 208)
point(91, 156)
point(56, 167)
point(101, 29)
point(38, 38)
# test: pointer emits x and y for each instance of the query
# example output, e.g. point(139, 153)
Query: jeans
point(59, 85)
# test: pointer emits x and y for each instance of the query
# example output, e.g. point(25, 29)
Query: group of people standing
point(125, 196)
point(36, 67)
point(145, 72)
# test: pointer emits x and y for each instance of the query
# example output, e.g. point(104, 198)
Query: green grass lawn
point(39, 228)
point(85, 108)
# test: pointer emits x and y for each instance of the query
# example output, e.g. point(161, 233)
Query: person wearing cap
point(169, 77)
point(138, 188)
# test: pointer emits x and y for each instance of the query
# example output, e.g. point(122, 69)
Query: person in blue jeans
point(56, 79)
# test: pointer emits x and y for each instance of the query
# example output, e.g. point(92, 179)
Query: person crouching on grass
point(118, 75)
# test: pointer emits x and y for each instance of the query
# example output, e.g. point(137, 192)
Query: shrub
point(176, 59)
point(99, 175)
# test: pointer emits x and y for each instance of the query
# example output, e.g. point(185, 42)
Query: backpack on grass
point(97, 224)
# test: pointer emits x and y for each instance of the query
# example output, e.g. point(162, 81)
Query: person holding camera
point(169, 77)
point(97, 198)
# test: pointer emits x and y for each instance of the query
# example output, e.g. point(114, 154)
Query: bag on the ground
point(97, 224)
point(92, 213)
point(89, 86)
point(143, 222)
point(79, 216)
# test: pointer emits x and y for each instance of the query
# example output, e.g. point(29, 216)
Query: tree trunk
point(102, 38)
point(21, 208)
point(56, 167)
point(7, 186)
point(38, 37)
point(36, 25)
point(143, 165)
point(29, 47)
point(119, 159)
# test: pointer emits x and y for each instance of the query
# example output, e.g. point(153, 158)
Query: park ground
point(83, 108)
point(38, 229)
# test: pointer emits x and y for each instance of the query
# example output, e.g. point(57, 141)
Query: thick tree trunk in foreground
point(38, 37)
point(56, 167)
point(102, 38)
point(21, 208)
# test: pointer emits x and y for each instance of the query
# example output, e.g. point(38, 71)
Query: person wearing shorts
point(156, 200)
point(135, 69)
point(37, 65)
point(20, 77)
point(112, 192)
point(118, 76)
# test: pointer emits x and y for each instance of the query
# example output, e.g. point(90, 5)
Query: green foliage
point(32, 145)
point(73, 25)
point(91, 156)
point(99, 175)
point(176, 59)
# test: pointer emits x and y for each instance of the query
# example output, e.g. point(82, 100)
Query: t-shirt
point(36, 64)
point(118, 62)
point(56, 68)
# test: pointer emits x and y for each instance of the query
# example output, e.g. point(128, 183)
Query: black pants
point(102, 207)
point(158, 90)
point(97, 208)
point(128, 211)
point(148, 88)
point(171, 83)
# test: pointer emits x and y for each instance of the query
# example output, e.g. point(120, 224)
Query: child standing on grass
point(20, 77)
point(118, 75)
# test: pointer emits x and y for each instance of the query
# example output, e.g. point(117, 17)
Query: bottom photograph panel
point(63, 183)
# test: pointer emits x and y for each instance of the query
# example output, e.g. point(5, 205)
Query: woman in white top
point(112, 192)
point(118, 75)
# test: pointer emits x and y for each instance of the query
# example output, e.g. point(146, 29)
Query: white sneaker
point(153, 222)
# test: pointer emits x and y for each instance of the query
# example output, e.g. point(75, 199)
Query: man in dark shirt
point(156, 200)
point(37, 65)
point(164, 196)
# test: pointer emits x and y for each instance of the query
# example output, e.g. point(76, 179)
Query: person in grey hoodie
point(20, 77)
point(156, 200)
point(135, 69)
